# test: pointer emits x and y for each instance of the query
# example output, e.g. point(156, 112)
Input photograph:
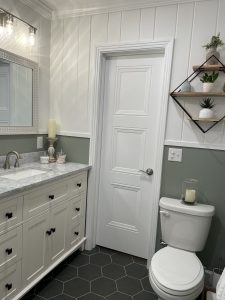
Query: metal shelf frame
point(175, 93)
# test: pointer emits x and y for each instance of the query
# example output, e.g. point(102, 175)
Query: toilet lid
point(177, 270)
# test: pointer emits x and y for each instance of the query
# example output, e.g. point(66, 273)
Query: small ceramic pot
point(206, 113)
point(207, 87)
point(212, 60)
point(186, 87)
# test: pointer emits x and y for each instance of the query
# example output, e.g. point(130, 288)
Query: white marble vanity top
point(50, 172)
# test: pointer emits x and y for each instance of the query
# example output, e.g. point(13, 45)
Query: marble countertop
point(53, 171)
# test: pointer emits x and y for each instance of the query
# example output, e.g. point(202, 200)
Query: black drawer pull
point(79, 184)
point(8, 286)
point(77, 208)
point(53, 230)
point(8, 251)
point(9, 215)
point(51, 197)
point(48, 232)
point(76, 233)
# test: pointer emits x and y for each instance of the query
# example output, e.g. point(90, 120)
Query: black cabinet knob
point(77, 208)
point(76, 233)
point(8, 286)
point(53, 230)
point(79, 184)
point(9, 215)
point(8, 251)
point(51, 197)
point(48, 232)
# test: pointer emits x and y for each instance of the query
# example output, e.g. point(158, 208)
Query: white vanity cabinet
point(38, 229)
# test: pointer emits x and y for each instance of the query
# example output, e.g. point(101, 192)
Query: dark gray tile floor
point(96, 275)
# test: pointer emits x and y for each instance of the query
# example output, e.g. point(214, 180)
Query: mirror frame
point(8, 130)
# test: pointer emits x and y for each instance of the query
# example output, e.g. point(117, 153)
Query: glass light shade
point(9, 24)
point(31, 38)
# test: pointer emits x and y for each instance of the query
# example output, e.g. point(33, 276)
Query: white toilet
point(175, 271)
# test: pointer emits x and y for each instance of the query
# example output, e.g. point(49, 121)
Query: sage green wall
point(208, 167)
point(20, 143)
point(76, 149)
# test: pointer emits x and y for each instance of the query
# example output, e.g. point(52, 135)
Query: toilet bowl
point(175, 272)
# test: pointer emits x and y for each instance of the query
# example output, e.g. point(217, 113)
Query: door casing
point(96, 95)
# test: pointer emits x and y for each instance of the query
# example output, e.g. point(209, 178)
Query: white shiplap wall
point(17, 43)
point(191, 24)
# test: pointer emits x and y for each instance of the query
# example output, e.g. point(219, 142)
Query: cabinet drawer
point(40, 200)
point(77, 207)
point(10, 247)
point(10, 212)
point(79, 184)
point(10, 281)
point(75, 233)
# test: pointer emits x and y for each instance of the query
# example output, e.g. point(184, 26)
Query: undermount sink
point(23, 174)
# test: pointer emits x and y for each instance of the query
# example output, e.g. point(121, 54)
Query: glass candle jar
point(189, 191)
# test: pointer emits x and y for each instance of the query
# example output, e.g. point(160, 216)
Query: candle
point(190, 195)
point(51, 128)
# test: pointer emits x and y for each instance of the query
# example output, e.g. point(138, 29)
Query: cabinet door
point(34, 247)
point(10, 282)
point(57, 239)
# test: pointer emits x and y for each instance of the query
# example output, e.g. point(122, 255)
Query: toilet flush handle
point(164, 213)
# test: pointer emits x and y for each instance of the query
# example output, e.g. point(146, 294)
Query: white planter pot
point(206, 113)
point(207, 87)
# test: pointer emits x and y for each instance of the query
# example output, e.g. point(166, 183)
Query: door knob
point(149, 171)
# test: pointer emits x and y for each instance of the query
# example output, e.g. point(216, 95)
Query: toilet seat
point(177, 272)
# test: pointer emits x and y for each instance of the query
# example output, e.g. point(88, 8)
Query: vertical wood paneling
point(147, 24)
point(191, 24)
point(180, 67)
point(69, 69)
point(56, 69)
point(114, 27)
point(130, 26)
point(165, 22)
point(205, 12)
point(83, 74)
point(99, 34)
point(221, 26)
point(43, 48)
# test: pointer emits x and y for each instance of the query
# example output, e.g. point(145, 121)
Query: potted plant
point(206, 112)
point(211, 48)
point(208, 81)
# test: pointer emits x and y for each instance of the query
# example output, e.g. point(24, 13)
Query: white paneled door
point(133, 87)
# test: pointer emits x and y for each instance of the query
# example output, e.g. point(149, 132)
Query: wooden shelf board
point(204, 120)
point(197, 94)
point(209, 68)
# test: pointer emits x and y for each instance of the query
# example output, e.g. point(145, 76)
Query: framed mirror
point(18, 94)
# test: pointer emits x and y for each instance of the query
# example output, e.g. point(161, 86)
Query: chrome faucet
point(7, 162)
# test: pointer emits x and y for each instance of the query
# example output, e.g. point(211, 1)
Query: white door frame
point(96, 92)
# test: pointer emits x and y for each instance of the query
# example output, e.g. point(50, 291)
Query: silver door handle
point(149, 171)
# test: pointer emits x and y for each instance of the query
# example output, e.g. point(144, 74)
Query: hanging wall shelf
point(177, 94)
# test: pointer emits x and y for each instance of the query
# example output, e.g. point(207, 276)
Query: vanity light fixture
point(6, 24)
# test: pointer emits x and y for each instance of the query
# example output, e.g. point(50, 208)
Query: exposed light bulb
point(9, 24)
point(32, 32)
point(2, 28)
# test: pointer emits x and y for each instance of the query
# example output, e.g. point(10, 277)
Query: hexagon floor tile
point(103, 286)
point(99, 274)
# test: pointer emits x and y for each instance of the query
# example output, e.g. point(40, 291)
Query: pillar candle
point(51, 128)
point(190, 195)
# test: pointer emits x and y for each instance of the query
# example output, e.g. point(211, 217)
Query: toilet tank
point(185, 226)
